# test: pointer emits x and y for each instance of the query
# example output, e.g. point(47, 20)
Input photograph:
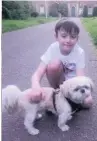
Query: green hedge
point(17, 10)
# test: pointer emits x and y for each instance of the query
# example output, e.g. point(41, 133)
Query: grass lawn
point(10, 25)
point(91, 26)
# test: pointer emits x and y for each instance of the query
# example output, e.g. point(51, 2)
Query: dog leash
point(54, 98)
point(75, 107)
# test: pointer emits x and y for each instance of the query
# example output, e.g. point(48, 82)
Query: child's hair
point(68, 26)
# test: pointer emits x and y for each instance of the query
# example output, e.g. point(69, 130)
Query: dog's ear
point(63, 90)
point(91, 85)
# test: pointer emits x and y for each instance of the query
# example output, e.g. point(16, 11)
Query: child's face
point(67, 41)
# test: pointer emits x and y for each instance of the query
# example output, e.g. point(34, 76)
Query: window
point(90, 10)
point(41, 9)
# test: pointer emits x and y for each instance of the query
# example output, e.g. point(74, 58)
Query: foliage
point(63, 9)
point(16, 9)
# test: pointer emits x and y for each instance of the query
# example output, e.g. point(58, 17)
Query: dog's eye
point(86, 87)
point(76, 89)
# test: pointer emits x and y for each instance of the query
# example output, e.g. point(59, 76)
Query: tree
point(95, 11)
point(6, 13)
point(60, 7)
point(53, 10)
point(16, 9)
point(85, 11)
point(63, 9)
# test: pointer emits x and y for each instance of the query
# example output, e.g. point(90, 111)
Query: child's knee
point(55, 66)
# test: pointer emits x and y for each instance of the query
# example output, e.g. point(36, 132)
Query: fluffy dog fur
point(77, 89)
point(13, 99)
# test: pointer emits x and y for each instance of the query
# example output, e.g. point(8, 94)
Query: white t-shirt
point(74, 60)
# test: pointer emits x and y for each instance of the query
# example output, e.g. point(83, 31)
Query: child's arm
point(36, 92)
point(37, 76)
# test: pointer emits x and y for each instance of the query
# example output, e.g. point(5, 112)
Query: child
point(63, 59)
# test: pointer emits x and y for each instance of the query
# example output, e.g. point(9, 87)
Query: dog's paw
point(39, 116)
point(65, 128)
point(34, 132)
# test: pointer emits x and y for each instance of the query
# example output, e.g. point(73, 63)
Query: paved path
point(21, 51)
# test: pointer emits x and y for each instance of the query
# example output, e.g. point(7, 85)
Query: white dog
point(14, 99)
point(76, 89)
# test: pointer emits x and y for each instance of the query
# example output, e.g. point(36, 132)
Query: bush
point(95, 11)
point(6, 14)
point(16, 9)
point(34, 14)
point(85, 11)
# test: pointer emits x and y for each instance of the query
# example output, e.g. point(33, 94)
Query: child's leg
point(55, 73)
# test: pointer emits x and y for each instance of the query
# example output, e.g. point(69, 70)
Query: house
point(75, 8)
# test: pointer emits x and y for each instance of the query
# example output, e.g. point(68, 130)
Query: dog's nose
point(82, 91)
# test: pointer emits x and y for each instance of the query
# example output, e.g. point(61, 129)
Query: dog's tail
point(10, 98)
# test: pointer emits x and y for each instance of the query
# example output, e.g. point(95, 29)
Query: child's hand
point(36, 95)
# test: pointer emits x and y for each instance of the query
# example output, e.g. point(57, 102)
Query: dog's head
point(77, 88)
